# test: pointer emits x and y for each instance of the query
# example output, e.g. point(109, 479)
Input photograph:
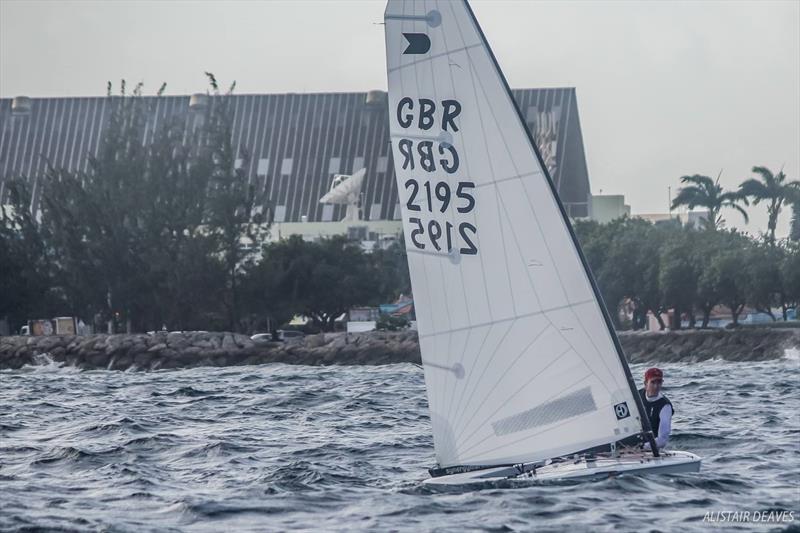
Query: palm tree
point(702, 191)
point(772, 188)
point(794, 232)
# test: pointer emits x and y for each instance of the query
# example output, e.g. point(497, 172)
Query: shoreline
point(141, 352)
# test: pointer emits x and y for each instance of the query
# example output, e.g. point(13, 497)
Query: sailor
point(657, 407)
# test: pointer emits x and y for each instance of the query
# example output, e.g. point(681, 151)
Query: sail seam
point(500, 321)
point(434, 56)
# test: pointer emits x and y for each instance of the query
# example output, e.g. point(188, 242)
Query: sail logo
point(622, 411)
point(433, 201)
point(418, 43)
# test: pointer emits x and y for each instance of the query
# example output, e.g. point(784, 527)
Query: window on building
point(263, 167)
point(532, 114)
point(286, 166)
point(238, 163)
point(375, 212)
point(280, 213)
point(383, 163)
point(327, 212)
point(358, 164)
point(335, 165)
point(397, 212)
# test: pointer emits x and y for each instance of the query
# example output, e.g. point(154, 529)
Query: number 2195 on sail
point(439, 198)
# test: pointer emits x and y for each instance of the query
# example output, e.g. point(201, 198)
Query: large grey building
point(295, 143)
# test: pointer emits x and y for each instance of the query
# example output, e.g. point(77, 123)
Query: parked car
point(290, 334)
point(261, 338)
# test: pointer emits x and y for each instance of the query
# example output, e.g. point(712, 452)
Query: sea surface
point(280, 447)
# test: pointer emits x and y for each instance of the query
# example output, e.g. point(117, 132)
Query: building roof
point(290, 144)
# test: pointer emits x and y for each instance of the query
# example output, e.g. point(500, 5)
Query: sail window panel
point(567, 406)
point(280, 213)
point(263, 167)
point(327, 212)
point(358, 164)
point(286, 166)
point(335, 165)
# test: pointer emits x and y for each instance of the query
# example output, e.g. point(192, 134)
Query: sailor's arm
point(664, 427)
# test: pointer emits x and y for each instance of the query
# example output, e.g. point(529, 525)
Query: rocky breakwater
point(745, 344)
point(193, 349)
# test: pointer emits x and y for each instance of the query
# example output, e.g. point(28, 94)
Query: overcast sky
point(664, 89)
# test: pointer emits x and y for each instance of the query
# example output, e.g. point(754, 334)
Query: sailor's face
point(653, 387)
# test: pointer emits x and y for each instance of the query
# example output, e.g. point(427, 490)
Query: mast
point(647, 431)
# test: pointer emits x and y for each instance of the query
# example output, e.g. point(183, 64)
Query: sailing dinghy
point(525, 375)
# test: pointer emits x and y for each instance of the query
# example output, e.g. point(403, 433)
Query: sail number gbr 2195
point(428, 197)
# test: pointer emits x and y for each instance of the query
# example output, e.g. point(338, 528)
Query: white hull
point(599, 467)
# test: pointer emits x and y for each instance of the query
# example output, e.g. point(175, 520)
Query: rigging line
point(502, 320)
point(509, 178)
point(549, 398)
point(505, 372)
point(432, 57)
point(544, 238)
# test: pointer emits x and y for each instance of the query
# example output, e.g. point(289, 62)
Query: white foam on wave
point(792, 353)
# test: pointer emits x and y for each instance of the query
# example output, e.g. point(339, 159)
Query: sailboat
point(525, 376)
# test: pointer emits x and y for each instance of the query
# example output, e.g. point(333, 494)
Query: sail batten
point(519, 360)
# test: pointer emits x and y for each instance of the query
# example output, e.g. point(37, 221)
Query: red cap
point(653, 373)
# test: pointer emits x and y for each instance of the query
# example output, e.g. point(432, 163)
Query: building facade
point(290, 145)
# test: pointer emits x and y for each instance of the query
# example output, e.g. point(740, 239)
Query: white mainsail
point(520, 362)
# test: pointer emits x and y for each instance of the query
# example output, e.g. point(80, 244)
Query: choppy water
point(279, 447)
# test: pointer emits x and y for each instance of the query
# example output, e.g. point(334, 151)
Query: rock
point(157, 347)
point(228, 343)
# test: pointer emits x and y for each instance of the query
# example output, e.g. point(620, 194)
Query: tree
point(707, 245)
point(677, 274)
point(763, 289)
point(790, 276)
point(772, 189)
point(339, 278)
point(391, 269)
point(25, 269)
point(630, 268)
point(236, 208)
point(794, 232)
point(728, 275)
point(702, 191)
